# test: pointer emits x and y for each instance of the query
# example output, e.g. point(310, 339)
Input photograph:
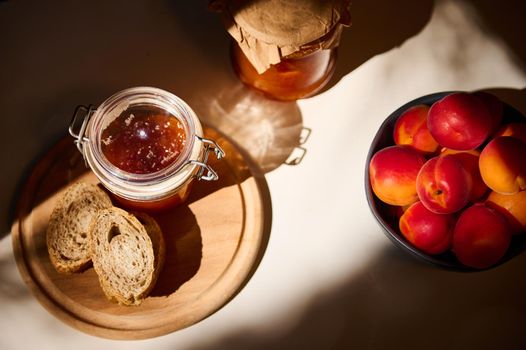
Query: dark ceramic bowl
point(384, 213)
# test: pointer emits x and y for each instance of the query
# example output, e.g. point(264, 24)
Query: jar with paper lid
point(146, 147)
point(284, 48)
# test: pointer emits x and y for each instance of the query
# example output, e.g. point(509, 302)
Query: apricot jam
point(298, 76)
point(143, 140)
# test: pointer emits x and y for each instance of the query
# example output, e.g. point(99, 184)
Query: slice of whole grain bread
point(127, 255)
point(67, 232)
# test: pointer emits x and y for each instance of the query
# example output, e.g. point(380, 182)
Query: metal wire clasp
point(211, 174)
point(85, 113)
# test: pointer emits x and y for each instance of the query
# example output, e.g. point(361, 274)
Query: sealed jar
point(285, 49)
point(146, 147)
point(299, 75)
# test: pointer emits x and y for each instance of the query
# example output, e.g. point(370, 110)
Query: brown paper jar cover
point(268, 31)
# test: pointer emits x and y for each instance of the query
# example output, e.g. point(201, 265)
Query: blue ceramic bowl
point(384, 216)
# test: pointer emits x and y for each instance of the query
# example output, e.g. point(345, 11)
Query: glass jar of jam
point(299, 75)
point(146, 146)
point(284, 48)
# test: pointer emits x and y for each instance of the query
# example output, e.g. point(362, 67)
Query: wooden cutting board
point(214, 243)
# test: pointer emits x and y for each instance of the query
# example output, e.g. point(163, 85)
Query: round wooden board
point(214, 242)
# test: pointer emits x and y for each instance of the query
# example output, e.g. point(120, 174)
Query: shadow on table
point(397, 302)
point(377, 27)
point(505, 20)
point(184, 246)
point(11, 288)
point(513, 97)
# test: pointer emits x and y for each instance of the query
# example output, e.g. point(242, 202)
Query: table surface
point(329, 277)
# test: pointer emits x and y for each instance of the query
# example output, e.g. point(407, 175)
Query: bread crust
point(159, 247)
